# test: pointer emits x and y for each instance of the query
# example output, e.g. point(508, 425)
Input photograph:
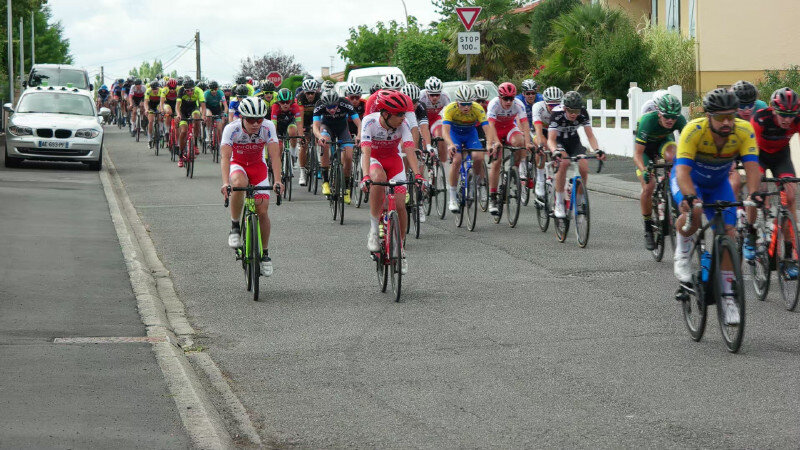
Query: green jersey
point(651, 131)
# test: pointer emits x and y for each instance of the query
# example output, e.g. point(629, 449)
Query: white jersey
point(433, 109)
point(506, 118)
point(540, 114)
point(382, 142)
point(248, 149)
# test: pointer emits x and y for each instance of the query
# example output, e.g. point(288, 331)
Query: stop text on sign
point(469, 43)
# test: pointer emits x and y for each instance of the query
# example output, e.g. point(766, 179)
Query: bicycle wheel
point(156, 138)
point(315, 171)
point(513, 196)
point(530, 177)
point(581, 209)
point(544, 207)
point(417, 203)
point(501, 196)
point(358, 174)
point(562, 225)
point(203, 138)
point(333, 198)
point(340, 191)
point(758, 269)
point(138, 126)
point(247, 243)
point(458, 217)
point(786, 262)
point(289, 175)
point(693, 301)
point(731, 334)
point(658, 227)
point(255, 255)
point(471, 199)
point(483, 192)
point(439, 186)
point(395, 255)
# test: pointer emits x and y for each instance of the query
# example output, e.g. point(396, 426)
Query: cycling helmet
point(267, 86)
point(138, 82)
point(213, 85)
point(241, 80)
point(433, 85)
point(507, 90)
point(668, 104)
point(249, 80)
point(481, 93)
point(411, 90)
point(203, 86)
point(393, 102)
point(530, 85)
point(330, 98)
point(104, 88)
point(120, 81)
point(720, 99)
point(552, 94)
point(745, 91)
point(392, 82)
point(241, 91)
point(253, 107)
point(572, 100)
point(352, 89)
point(375, 88)
point(310, 85)
point(785, 100)
point(327, 85)
point(180, 80)
point(153, 85)
point(464, 93)
point(172, 83)
point(188, 84)
point(285, 95)
point(307, 76)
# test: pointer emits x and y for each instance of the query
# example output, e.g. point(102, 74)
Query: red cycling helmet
point(507, 90)
point(785, 100)
point(172, 83)
point(394, 102)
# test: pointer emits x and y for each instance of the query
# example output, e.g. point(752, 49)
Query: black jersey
point(422, 114)
point(307, 105)
point(568, 129)
point(336, 118)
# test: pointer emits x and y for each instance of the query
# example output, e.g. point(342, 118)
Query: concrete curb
point(164, 314)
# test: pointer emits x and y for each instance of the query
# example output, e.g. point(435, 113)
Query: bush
point(615, 59)
point(774, 80)
point(674, 56)
point(541, 22)
point(423, 55)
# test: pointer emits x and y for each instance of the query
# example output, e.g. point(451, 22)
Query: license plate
point(53, 144)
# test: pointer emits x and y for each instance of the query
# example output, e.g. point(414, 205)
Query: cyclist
point(233, 106)
point(216, 107)
point(327, 85)
point(135, 99)
point(458, 128)
point(287, 117)
point(243, 163)
point(509, 124)
point(562, 138)
point(529, 96)
point(116, 95)
point(774, 127)
point(307, 101)
point(126, 87)
point(748, 105)
point(540, 114)
point(434, 101)
point(102, 96)
point(169, 97)
point(655, 139)
point(382, 134)
point(267, 92)
point(353, 93)
point(191, 103)
point(330, 119)
point(153, 97)
point(706, 149)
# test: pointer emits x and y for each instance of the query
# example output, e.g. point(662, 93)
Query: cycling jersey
point(308, 106)
point(168, 94)
point(290, 115)
point(213, 99)
point(770, 137)
point(433, 109)
point(248, 149)
point(152, 95)
point(710, 165)
point(190, 101)
point(335, 118)
point(529, 106)
point(540, 114)
point(421, 114)
point(567, 129)
point(116, 89)
point(137, 91)
point(126, 87)
point(383, 145)
point(650, 129)
point(411, 117)
point(103, 94)
point(506, 120)
point(460, 121)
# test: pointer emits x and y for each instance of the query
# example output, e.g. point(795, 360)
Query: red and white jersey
point(505, 118)
point(248, 149)
point(138, 91)
point(433, 109)
point(382, 142)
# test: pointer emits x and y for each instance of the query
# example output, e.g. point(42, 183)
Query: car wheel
point(97, 165)
point(11, 162)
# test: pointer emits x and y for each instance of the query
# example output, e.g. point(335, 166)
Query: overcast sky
point(120, 34)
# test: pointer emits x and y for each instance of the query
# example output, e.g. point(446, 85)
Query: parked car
point(450, 87)
point(58, 75)
point(54, 124)
point(369, 76)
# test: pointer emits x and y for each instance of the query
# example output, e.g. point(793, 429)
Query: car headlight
point(20, 131)
point(87, 133)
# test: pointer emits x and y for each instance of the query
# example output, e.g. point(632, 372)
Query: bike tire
point(255, 256)
point(471, 200)
point(341, 190)
point(333, 198)
point(358, 174)
point(731, 334)
point(416, 208)
point(525, 191)
point(658, 226)
point(483, 192)
point(694, 307)
point(246, 245)
point(513, 197)
point(582, 213)
point(395, 255)
point(544, 208)
point(501, 196)
point(440, 187)
point(790, 289)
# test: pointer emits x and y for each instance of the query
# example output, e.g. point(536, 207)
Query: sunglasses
point(285, 102)
point(785, 114)
point(434, 95)
point(552, 105)
point(747, 105)
point(464, 103)
point(572, 111)
point(253, 120)
point(355, 97)
point(507, 99)
point(331, 107)
point(723, 117)
point(400, 114)
point(669, 116)
point(530, 93)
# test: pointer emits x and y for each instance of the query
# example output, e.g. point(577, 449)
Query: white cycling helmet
point(552, 94)
point(481, 93)
point(327, 85)
point(253, 107)
point(310, 85)
point(392, 81)
point(411, 90)
point(464, 93)
point(658, 94)
point(353, 89)
point(529, 85)
point(433, 85)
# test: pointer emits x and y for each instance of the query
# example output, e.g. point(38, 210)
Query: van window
point(58, 77)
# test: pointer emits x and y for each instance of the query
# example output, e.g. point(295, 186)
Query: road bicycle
point(287, 160)
point(437, 193)
point(356, 194)
point(509, 187)
point(530, 178)
point(313, 173)
point(389, 258)
point(662, 214)
point(337, 182)
point(157, 139)
point(191, 148)
point(137, 125)
point(544, 205)
point(707, 286)
point(467, 190)
point(214, 138)
point(252, 248)
point(172, 139)
point(576, 203)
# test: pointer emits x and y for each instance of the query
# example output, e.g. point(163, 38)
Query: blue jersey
point(529, 107)
point(234, 106)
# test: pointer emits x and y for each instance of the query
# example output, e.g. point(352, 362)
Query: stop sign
point(275, 77)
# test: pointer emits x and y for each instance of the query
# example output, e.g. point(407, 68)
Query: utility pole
point(10, 51)
point(33, 44)
point(21, 54)
point(102, 77)
point(197, 52)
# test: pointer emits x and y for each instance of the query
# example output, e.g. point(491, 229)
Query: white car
point(54, 124)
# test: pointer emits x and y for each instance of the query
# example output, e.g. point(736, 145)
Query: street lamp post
point(406, 11)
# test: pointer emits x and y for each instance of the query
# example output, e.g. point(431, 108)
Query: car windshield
point(55, 103)
point(58, 77)
point(366, 82)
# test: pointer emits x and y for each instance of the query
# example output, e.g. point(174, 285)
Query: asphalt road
point(505, 338)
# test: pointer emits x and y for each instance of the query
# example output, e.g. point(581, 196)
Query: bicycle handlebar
point(718, 205)
point(764, 179)
point(251, 189)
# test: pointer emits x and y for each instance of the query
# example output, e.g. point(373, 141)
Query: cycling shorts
point(573, 147)
point(722, 191)
point(153, 106)
point(256, 175)
point(137, 100)
point(436, 126)
point(466, 138)
point(342, 135)
point(779, 163)
point(282, 126)
point(213, 110)
point(393, 167)
point(506, 133)
point(184, 114)
point(169, 106)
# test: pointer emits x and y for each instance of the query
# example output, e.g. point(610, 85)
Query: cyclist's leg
point(292, 130)
point(325, 159)
point(376, 193)
point(436, 131)
point(207, 119)
point(347, 154)
point(258, 177)
point(238, 177)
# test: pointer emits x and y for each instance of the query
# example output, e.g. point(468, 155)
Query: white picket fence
point(615, 132)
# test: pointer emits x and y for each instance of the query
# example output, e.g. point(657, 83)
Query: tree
point(151, 71)
point(367, 45)
point(615, 59)
point(542, 18)
point(278, 61)
point(675, 59)
point(422, 55)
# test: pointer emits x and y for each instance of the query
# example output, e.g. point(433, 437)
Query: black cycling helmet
point(268, 86)
point(572, 100)
point(375, 88)
point(213, 85)
point(188, 84)
point(154, 85)
point(241, 90)
point(120, 81)
point(202, 85)
point(745, 91)
point(720, 99)
point(241, 80)
point(138, 82)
